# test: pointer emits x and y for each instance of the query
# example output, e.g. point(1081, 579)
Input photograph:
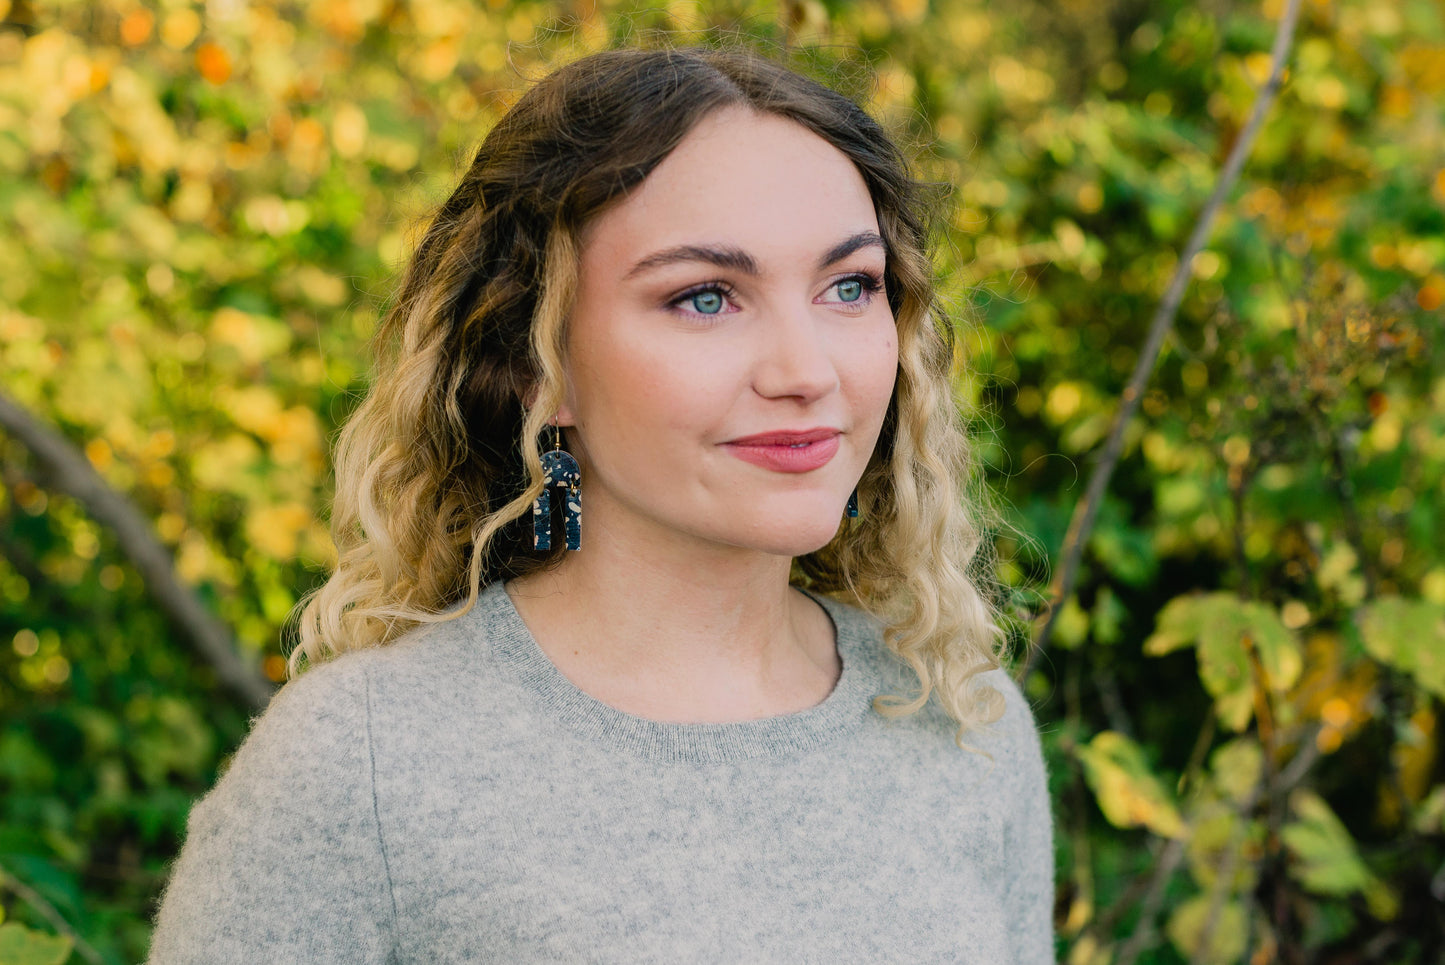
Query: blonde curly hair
point(437, 469)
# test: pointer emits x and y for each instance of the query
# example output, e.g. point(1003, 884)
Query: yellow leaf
point(180, 28)
point(1063, 402)
point(1127, 791)
point(254, 337)
point(254, 408)
point(275, 530)
point(1226, 940)
point(348, 130)
point(1212, 838)
point(296, 438)
point(224, 465)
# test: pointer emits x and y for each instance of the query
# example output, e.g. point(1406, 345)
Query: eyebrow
point(727, 256)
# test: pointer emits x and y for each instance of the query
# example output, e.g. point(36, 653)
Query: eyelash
point(872, 285)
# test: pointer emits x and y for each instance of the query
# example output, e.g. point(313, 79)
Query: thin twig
point(1354, 532)
point(1144, 929)
point(1087, 509)
point(1112, 700)
point(1265, 786)
point(1239, 479)
point(1224, 875)
point(47, 911)
point(67, 469)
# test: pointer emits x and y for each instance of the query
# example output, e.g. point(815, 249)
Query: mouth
point(791, 438)
point(788, 451)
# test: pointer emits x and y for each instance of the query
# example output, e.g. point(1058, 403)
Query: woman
point(704, 279)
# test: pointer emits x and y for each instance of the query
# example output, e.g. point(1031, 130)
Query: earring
point(560, 471)
point(853, 503)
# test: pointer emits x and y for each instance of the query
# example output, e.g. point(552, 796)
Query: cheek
point(873, 369)
point(630, 390)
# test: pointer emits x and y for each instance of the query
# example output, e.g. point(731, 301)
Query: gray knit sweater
point(452, 797)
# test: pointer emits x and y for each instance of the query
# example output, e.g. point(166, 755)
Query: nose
point(795, 358)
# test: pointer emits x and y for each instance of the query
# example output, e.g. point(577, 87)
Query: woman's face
point(731, 353)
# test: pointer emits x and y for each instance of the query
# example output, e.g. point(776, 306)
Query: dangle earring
point(853, 503)
point(560, 471)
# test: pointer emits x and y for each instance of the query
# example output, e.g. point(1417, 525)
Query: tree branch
point(67, 469)
point(1082, 522)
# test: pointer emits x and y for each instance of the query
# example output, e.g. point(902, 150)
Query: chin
point(792, 536)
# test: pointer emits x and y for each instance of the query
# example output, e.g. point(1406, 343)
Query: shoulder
point(1017, 722)
point(323, 716)
point(457, 645)
point(315, 742)
point(1013, 744)
point(426, 682)
point(311, 735)
point(862, 633)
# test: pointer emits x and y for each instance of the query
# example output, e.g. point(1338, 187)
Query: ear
point(564, 415)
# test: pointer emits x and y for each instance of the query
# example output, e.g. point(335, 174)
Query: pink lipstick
point(789, 451)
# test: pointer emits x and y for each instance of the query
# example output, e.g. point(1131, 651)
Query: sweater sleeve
point(283, 859)
point(1028, 836)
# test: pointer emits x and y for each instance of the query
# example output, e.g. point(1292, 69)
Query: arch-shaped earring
point(853, 503)
point(560, 471)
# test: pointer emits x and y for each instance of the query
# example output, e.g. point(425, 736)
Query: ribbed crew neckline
point(839, 714)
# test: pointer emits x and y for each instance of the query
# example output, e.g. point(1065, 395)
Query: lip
point(801, 450)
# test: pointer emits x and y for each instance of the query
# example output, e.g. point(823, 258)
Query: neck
point(680, 630)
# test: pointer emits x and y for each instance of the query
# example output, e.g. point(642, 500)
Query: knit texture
point(452, 797)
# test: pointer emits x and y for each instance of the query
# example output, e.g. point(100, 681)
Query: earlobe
point(563, 416)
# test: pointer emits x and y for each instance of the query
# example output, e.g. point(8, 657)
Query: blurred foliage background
point(205, 206)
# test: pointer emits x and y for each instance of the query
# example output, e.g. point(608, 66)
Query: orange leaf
point(136, 27)
point(213, 62)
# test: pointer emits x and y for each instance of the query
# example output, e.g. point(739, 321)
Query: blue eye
point(707, 302)
point(855, 291)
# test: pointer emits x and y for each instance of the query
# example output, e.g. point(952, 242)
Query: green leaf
point(1430, 813)
point(1224, 628)
point(1213, 837)
point(1327, 861)
point(1127, 791)
point(1125, 551)
point(1177, 626)
point(1409, 635)
point(1236, 767)
point(1108, 617)
point(167, 736)
point(22, 946)
point(24, 765)
point(1072, 625)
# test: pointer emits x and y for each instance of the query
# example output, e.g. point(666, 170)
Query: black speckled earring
point(853, 503)
point(560, 471)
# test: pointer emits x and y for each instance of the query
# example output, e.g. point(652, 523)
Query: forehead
point(758, 181)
